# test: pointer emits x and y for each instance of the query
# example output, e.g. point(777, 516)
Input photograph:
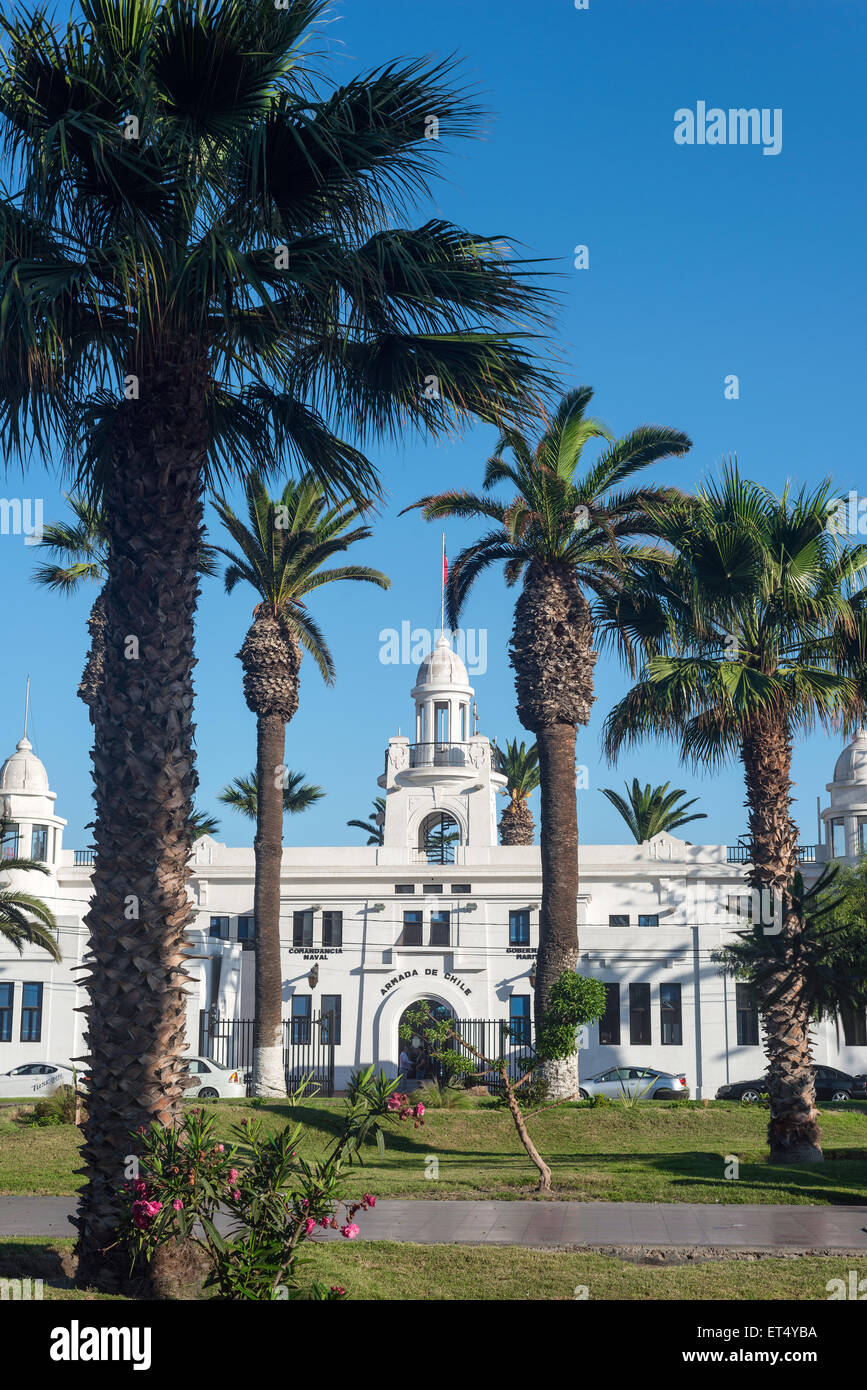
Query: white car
point(37, 1079)
point(209, 1080)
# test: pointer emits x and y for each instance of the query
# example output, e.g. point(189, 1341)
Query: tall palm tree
point(282, 552)
point(25, 920)
point(649, 810)
point(374, 826)
point(520, 766)
point(738, 629)
point(242, 794)
point(562, 533)
point(204, 255)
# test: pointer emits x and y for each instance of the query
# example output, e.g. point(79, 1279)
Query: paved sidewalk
point(656, 1225)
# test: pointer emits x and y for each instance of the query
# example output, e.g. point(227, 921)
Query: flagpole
point(443, 589)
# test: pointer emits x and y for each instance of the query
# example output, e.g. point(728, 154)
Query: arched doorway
point(438, 835)
point(412, 1042)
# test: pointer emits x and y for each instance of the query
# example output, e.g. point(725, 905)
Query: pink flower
point(325, 1221)
point(369, 1199)
point(177, 1204)
point(309, 1226)
point(350, 1231)
point(338, 1290)
point(141, 1188)
point(153, 1208)
point(220, 1148)
point(236, 1194)
point(419, 1109)
point(233, 1175)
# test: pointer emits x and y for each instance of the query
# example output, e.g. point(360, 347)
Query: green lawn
point(384, 1270)
point(655, 1152)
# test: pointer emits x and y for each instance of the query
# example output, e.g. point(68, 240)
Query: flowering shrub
point(399, 1105)
point(276, 1200)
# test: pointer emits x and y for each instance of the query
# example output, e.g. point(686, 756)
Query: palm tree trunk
point(92, 675)
point(516, 824)
point(558, 920)
point(269, 1074)
point(793, 1133)
point(145, 778)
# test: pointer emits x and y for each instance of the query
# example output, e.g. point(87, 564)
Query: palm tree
point(737, 629)
point(203, 256)
point(243, 796)
point(281, 553)
point(25, 920)
point(520, 766)
point(650, 810)
point(203, 824)
point(374, 826)
point(562, 533)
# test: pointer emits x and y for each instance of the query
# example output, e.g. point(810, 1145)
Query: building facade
point(440, 911)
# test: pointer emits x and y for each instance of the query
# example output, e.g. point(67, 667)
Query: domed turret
point(851, 766)
point(27, 805)
point(23, 771)
point(845, 820)
point(443, 667)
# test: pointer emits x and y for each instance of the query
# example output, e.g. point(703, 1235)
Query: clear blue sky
point(704, 261)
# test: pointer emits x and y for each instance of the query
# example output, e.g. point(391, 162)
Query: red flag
point(445, 569)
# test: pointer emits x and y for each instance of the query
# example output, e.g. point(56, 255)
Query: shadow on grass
point(37, 1260)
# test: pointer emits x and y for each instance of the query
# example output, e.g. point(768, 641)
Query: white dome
point(23, 772)
point(851, 766)
point(443, 667)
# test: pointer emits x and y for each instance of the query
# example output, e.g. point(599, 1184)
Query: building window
point(246, 929)
point(609, 1023)
point(439, 833)
point(441, 718)
point(854, 1027)
point(331, 1010)
point(302, 928)
point(432, 888)
point(411, 935)
point(838, 839)
point(462, 888)
point(648, 919)
point(439, 928)
point(332, 929)
point(39, 843)
point(6, 995)
point(747, 1015)
point(670, 1015)
point(618, 919)
point(219, 928)
point(519, 1019)
point(9, 843)
point(300, 1018)
point(404, 888)
point(639, 1015)
point(862, 835)
point(463, 723)
point(31, 1013)
point(519, 927)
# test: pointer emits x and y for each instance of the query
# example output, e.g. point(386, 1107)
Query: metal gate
point(307, 1051)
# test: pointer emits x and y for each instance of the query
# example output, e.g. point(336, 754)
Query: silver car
point(645, 1082)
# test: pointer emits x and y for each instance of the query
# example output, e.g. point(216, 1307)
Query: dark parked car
point(830, 1085)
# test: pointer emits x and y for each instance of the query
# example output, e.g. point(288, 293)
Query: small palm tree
point(740, 630)
point(282, 552)
point(520, 766)
point(203, 824)
point(650, 810)
point(243, 796)
point(374, 826)
point(24, 919)
point(562, 533)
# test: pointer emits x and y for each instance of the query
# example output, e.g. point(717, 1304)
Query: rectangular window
point(39, 843)
point(463, 723)
point(670, 1015)
point(246, 929)
point(648, 919)
point(838, 839)
point(439, 928)
point(31, 1013)
point(618, 919)
point(854, 1027)
point(862, 835)
point(302, 928)
point(747, 1015)
point(639, 1015)
point(411, 935)
point(609, 1023)
point(441, 717)
point(300, 1018)
point(432, 888)
point(519, 1019)
point(219, 928)
point(519, 927)
point(462, 888)
point(9, 843)
point(404, 888)
point(6, 995)
point(331, 1010)
point(332, 929)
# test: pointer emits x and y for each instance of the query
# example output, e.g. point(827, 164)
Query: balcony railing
point(439, 754)
point(742, 853)
point(83, 856)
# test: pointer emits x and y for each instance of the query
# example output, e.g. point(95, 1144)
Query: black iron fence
point(307, 1052)
point(494, 1038)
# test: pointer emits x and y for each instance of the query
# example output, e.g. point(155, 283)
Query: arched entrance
point(412, 1041)
point(438, 835)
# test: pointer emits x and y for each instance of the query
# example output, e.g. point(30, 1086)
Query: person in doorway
point(404, 1065)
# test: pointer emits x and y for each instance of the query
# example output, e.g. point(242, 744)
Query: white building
point(442, 912)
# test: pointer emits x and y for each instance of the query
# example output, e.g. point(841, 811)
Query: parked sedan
point(831, 1084)
point(209, 1080)
point(645, 1082)
point(37, 1079)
